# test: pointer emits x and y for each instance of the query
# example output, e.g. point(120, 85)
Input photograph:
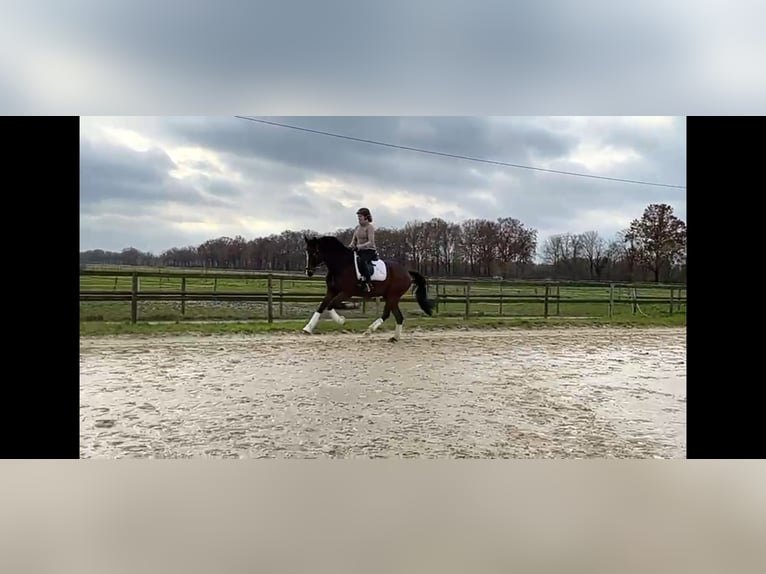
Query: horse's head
point(313, 255)
point(326, 250)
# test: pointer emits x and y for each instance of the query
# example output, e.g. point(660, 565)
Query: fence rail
point(169, 272)
point(268, 288)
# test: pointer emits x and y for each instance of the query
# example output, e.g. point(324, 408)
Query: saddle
point(362, 265)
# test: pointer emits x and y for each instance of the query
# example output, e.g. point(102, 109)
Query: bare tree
point(553, 252)
point(594, 247)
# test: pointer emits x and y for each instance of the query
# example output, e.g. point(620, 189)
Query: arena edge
point(327, 326)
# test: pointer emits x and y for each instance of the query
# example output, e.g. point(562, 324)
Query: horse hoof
point(393, 340)
point(306, 331)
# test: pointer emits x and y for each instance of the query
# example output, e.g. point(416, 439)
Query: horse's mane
point(332, 243)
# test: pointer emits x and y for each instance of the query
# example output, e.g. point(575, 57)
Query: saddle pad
point(379, 269)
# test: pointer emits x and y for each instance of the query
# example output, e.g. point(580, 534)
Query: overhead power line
point(456, 156)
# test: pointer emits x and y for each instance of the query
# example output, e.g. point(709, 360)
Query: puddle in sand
point(562, 393)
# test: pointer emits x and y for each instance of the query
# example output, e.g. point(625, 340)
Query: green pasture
point(565, 301)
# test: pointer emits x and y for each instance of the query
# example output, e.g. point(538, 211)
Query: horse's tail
point(421, 293)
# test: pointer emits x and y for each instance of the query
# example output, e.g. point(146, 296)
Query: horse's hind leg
point(379, 321)
point(399, 318)
point(335, 316)
point(339, 319)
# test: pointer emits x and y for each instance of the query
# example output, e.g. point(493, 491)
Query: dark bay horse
point(390, 281)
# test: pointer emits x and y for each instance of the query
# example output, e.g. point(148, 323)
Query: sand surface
point(560, 393)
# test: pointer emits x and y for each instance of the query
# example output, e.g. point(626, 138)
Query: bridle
point(310, 270)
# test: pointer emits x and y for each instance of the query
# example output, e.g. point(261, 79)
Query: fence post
point(134, 299)
point(183, 295)
point(611, 300)
point(281, 297)
point(501, 297)
point(467, 289)
point(444, 297)
point(672, 289)
point(635, 301)
point(547, 292)
point(558, 300)
point(270, 296)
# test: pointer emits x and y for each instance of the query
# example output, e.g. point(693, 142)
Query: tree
point(573, 246)
point(488, 237)
point(470, 244)
point(553, 251)
point(659, 238)
point(654, 244)
point(516, 244)
point(629, 251)
point(562, 251)
point(594, 248)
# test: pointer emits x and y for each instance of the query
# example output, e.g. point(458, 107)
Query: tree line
point(652, 248)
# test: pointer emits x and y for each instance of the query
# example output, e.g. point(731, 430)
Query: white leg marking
point(340, 319)
point(309, 328)
point(375, 324)
point(398, 332)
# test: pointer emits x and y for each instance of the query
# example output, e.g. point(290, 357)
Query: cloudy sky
point(159, 182)
point(435, 57)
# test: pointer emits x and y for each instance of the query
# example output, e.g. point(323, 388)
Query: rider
point(363, 241)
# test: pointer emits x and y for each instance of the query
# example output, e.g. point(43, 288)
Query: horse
point(389, 280)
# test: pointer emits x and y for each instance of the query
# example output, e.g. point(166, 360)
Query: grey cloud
point(370, 164)
point(475, 137)
point(203, 165)
point(296, 205)
point(112, 172)
point(215, 186)
point(665, 148)
point(116, 180)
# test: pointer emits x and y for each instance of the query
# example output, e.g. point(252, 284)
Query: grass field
point(574, 302)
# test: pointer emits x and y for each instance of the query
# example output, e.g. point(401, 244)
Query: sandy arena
point(554, 393)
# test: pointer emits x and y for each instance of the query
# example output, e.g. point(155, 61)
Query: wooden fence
point(547, 294)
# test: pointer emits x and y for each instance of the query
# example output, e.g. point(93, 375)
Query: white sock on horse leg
point(309, 328)
point(398, 332)
point(340, 319)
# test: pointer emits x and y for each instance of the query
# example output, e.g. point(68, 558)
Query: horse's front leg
point(309, 328)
